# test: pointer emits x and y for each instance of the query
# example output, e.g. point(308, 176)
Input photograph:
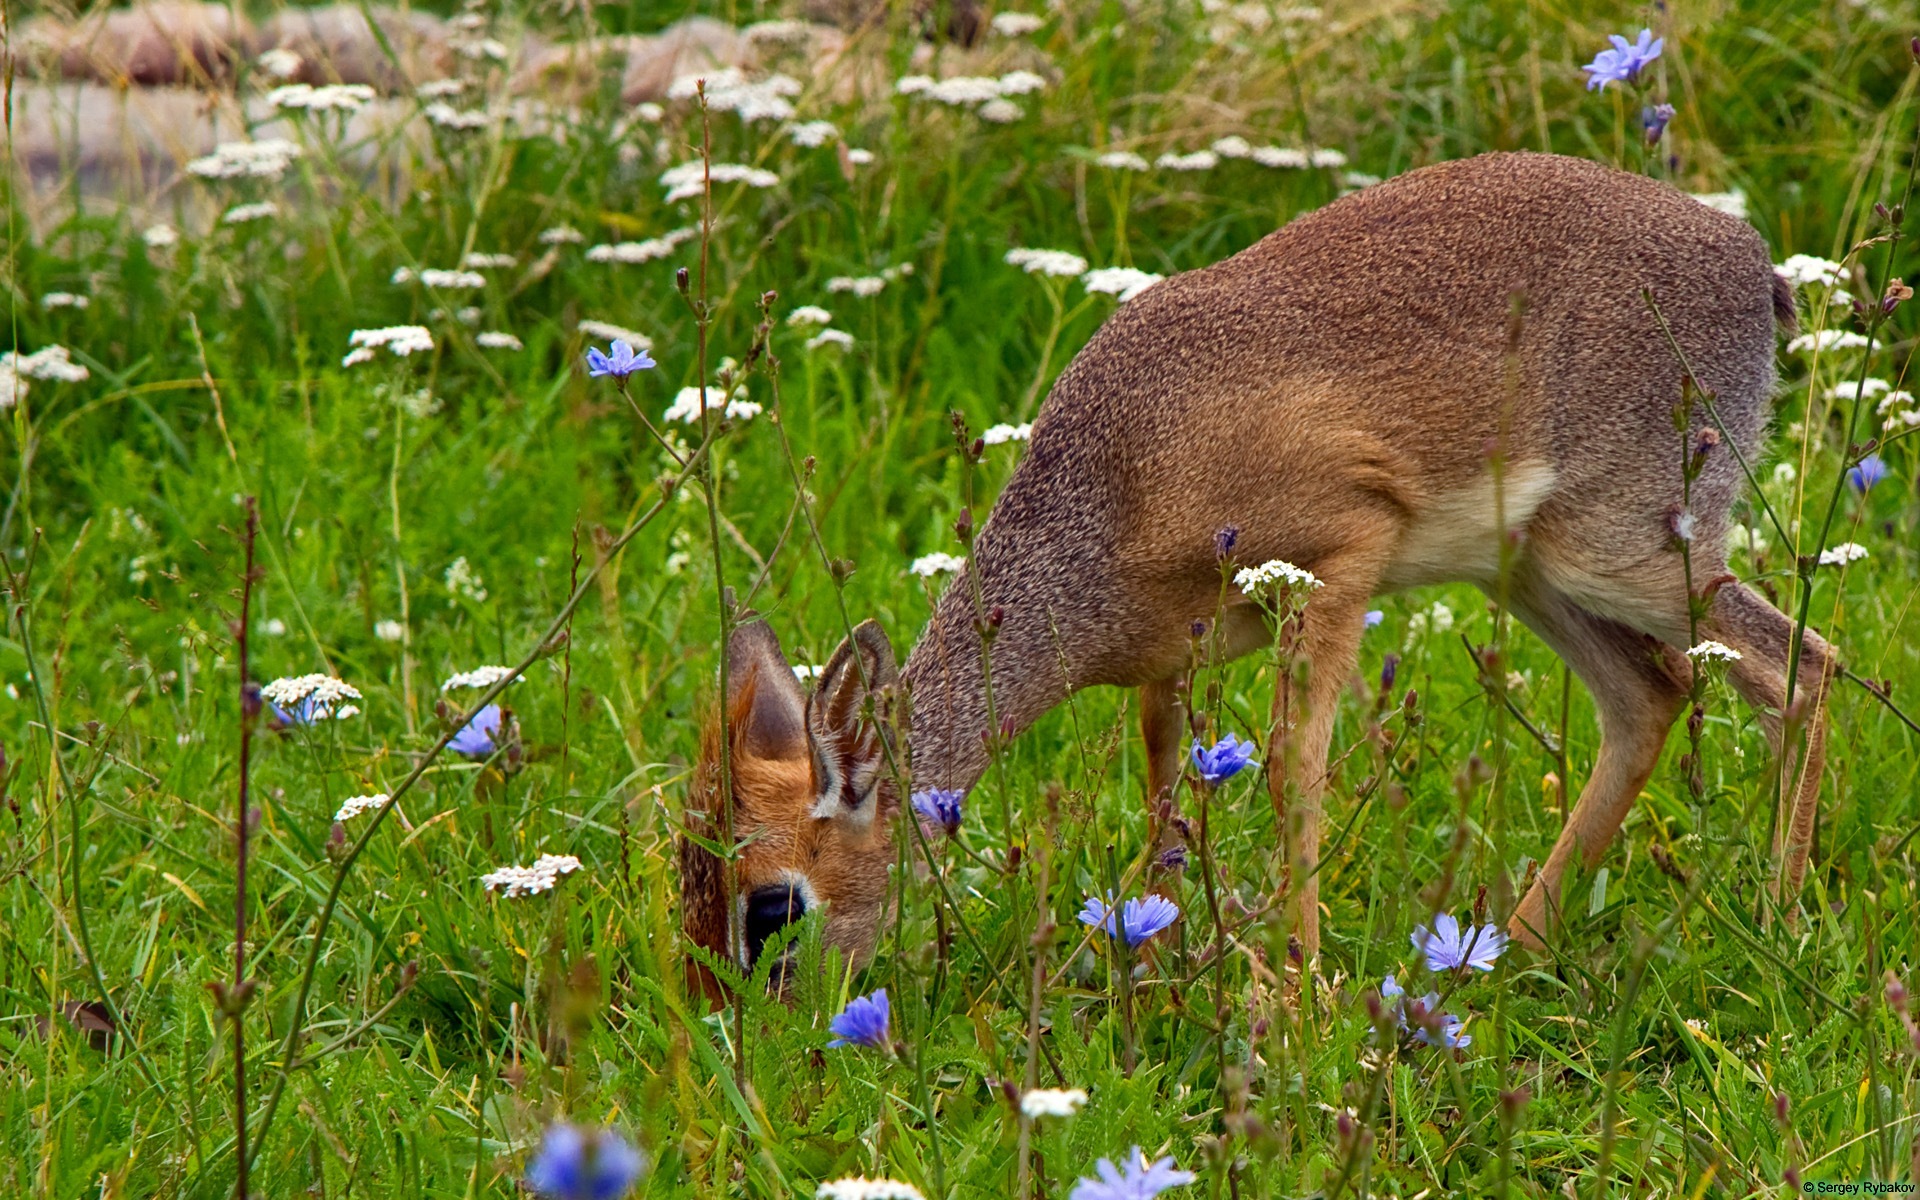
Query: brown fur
point(1333, 392)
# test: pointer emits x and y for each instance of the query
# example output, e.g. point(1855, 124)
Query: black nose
point(769, 910)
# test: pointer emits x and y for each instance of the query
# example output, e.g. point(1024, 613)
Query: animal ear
point(849, 754)
point(765, 702)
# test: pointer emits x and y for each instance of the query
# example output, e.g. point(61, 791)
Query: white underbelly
point(1457, 537)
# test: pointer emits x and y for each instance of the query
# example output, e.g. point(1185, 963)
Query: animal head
point(810, 802)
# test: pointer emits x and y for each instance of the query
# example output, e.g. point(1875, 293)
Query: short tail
point(1783, 310)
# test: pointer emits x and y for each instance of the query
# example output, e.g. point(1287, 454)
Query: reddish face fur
point(810, 809)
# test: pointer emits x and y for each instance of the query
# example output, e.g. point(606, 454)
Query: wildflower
point(612, 332)
point(267, 159)
point(336, 97)
point(13, 389)
point(1654, 119)
point(831, 337)
point(1682, 524)
point(390, 631)
point(868, 1189)
point(941, 808)
point(514, 882)
point(686, 405)
point(1052, 1102)
point(1624, 62)
point(1331, 159)
point(1827, 339)
point(462, 580)
point(1017, 24)
point(1137, 1180)
point(459, 120)
point(1438, 619)
point(862, 1023)
point(1199, 160)
point(305, 699)
point(809, 314)
point(1784, 474)
point(243, 214)
point(1047, 262)
point(1808, 270)
point(1000, 111)
point(810, 134)
point(280, 62)
point(160, 237)
point(444, 280)
point(1858, 389)
point(1841, 555)
point(1448, 1034)
point(64, 300)
point(729, 90)
point(1123, 160)
point(782, 32)
point(623, 361)
point(400, 340)
point(939, 562)
point(1226, 758)
point(858, 157)
point(353, 806)
point(561, 235)
point(1373, 617)
point(476, 738)
point(1711, 651)
point(958, 92)
point(1122, 282)
point(1448, 947)
point(644, 251)
point(1232, 146)
point(862, 286)
point(440, 89)
point(994, 435)
point(477, 260)
point(274, 627)
point(54, 363)
point(1871, 470)
point(1139, 919)
point(575, 1164)
point(479, 677)
point(1279, 157)
point(1255, 580)
point(689, 179)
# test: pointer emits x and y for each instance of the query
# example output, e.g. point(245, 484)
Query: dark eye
point(769, 910)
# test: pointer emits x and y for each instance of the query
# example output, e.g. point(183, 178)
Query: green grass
point(1650, 1046)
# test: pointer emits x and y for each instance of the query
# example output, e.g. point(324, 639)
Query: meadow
point(420, 506)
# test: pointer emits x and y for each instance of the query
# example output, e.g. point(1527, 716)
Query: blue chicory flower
point(1225, 759)
point(1449, 947)
point(1872, 470)
point(622, 362)
point(1138, 919)
point(1138, 1179)
point(1653, 121)
point(476, 739)
point(577, 1164)
point(1374, 617)
point(940, 807)
point(864, 1022)
point(1624, 62)
point(1414, 1015)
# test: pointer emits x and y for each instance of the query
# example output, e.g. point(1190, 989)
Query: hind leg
point(1639, 685)
point(1763, 635)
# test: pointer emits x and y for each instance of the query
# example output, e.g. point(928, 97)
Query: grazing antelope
point(1332, 393)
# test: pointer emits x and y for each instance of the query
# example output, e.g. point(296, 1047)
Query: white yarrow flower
point(1232, 146)
point(400, 340)
point(52, 363)
point(1052, 1102)
point(642, 251)
point(242, 214)
point(1281, 157)
point(995, 435)
point(1017, 24)
point(561, 235)
point(313, 697)
point(332, 97)
point(160, 237)
point(1000, 112)
point(462, 580)
point(1827, 339)
point(390, 631)
point(353, 806)
point(608, 331)
point(1714, 652)
point(862, 1188)
point(809, 314)
point(1274, 573)
point(479, 677)
point(688, 179)
point(1123, 160)
point(686, 405)
point(863, 285)
point(1733, 202)
point(831, 337)
point(1199, 160)
point(494, 339)
point(1841, 555)
point(937, 563)
point(810, 134)
point(1858, 389)
point(1047, 262)
point(1123, 282)
point(546, 871)
point(268, 159)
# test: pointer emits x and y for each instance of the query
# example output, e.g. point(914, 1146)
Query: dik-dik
point(1336, 393)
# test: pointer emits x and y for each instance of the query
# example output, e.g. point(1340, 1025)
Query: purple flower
point(1138, 1180)
point(1139, 919)
point(1414, 1014)
point(1227, 758)
point(1448, 947)
point(1389, 668)
point(1625, 61)
point(862, 1023)
point(941, 808)
point(1872, 470)
point(622, 362)
point(1448, 1035)
point(475, 740)
point(576, 1164)
point(1653, 121)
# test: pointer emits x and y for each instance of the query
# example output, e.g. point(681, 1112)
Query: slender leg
point(1763, 636)
point(1639, 685)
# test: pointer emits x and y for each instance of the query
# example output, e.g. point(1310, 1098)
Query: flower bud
point(681, 280)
